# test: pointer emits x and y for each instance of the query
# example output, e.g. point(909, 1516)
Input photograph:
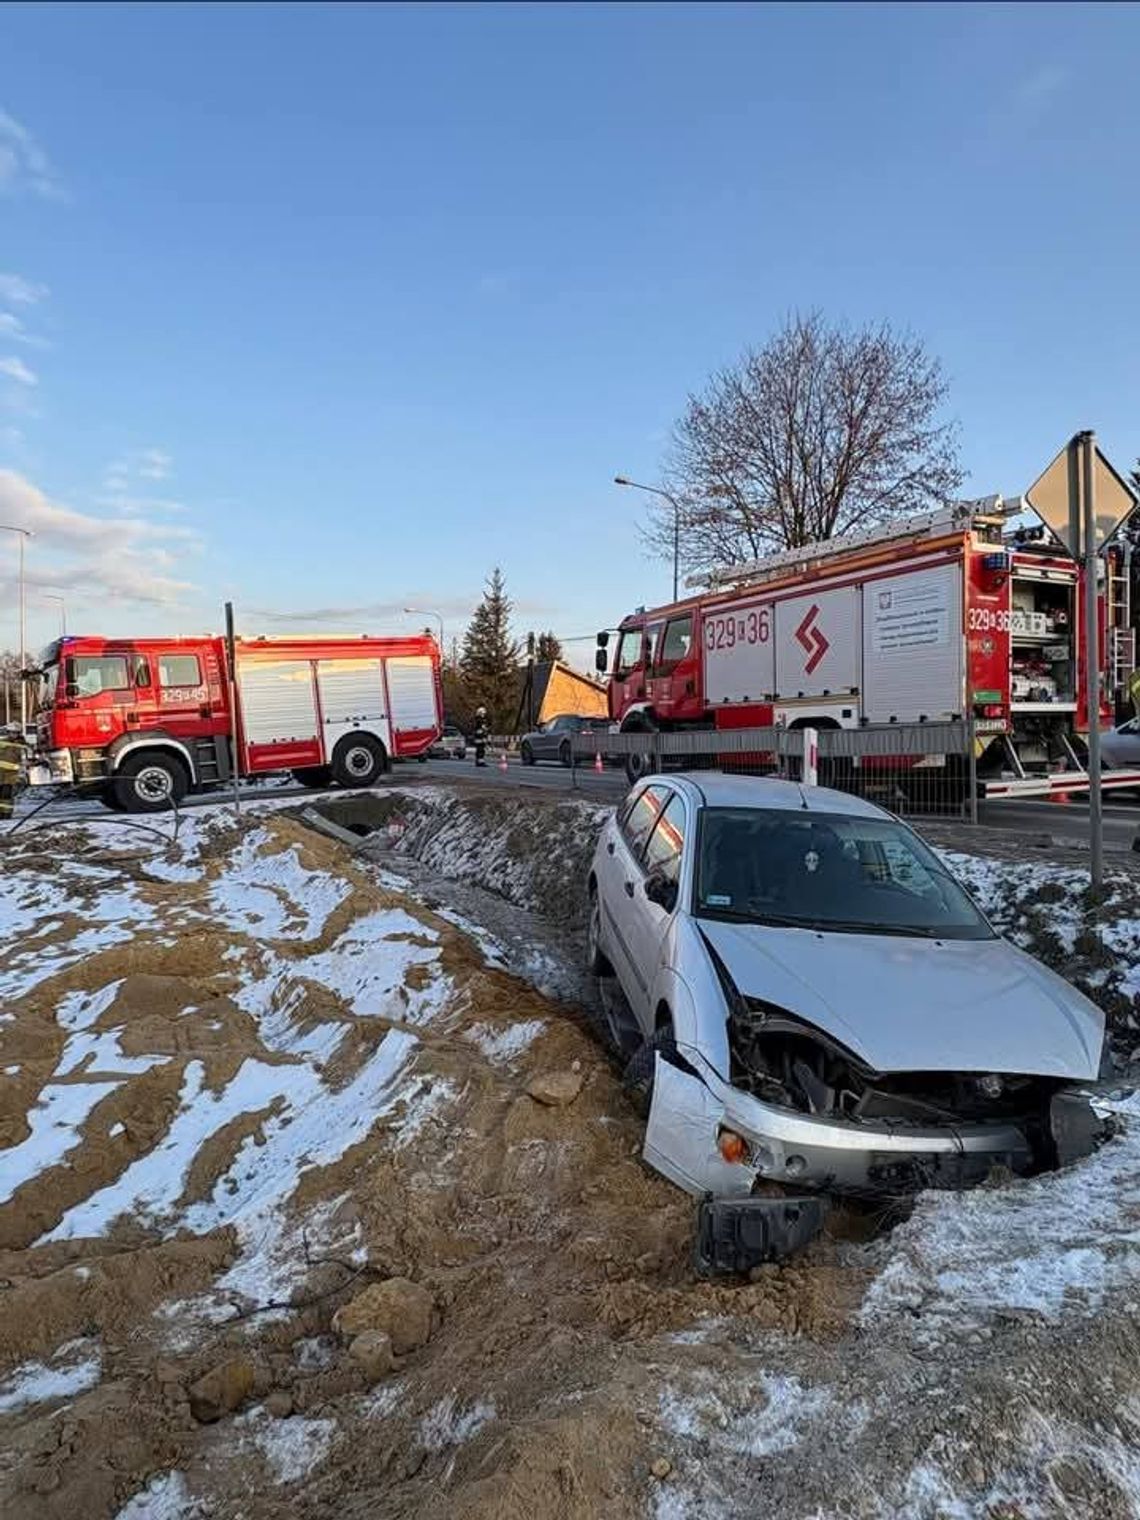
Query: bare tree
point(822, 431)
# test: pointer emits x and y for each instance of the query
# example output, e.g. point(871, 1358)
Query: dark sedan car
point(552, 740)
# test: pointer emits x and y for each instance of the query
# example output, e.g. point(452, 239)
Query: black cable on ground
point(167, 840)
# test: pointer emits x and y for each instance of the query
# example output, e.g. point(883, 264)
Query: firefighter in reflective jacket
point(11, 760)
point(480, 736)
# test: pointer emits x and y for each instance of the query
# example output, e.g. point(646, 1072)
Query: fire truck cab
point(145, 721)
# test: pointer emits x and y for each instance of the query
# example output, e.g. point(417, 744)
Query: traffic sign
point(1056, 497)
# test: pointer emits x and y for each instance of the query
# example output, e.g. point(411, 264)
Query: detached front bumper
point(689, 1112)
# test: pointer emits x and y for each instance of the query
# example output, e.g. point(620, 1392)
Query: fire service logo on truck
point(811, 639)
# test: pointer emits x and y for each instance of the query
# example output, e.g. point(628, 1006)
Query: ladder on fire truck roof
point(988, 512)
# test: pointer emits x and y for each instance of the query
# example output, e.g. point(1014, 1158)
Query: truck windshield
point(833, 872)
point(98, 673)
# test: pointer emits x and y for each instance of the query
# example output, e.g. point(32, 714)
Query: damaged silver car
point(808, 1000)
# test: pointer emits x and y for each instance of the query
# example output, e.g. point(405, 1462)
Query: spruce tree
point(549, 646)
point(490, 656)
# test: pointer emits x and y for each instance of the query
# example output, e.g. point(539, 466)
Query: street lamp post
point(622, 480)
point(24, 534)
point(53, 596)
point(425, 612)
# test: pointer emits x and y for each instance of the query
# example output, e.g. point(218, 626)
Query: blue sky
point(331, 309)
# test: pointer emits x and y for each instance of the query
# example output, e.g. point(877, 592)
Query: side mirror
point(71, 690)
point(601, 662)
point(661, 891)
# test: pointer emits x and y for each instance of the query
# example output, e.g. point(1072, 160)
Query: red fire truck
point(938, 617)
point(145, 721)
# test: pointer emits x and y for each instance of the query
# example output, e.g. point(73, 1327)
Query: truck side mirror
point(601, 661)
point(71, 690)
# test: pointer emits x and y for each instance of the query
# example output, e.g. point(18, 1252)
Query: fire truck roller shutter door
point(738, 643)
point(412, 693)
point(279, 713)
point(913, 646)
point(817, 643)
point(354, 718)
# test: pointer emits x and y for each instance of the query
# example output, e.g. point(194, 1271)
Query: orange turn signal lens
point(733, 1147)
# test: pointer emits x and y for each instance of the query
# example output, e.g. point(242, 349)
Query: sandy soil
point(249, 1075)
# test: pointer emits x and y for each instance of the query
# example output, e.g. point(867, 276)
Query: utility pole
point(1092, 654)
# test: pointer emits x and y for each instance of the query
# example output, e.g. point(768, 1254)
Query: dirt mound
point(268, 1079)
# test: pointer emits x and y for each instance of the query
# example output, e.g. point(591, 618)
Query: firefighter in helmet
point(480, 736)
point(11, 762)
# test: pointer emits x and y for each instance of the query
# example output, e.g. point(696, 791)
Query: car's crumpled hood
point(916, 1004)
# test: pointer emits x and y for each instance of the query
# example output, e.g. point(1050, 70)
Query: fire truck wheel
point(358, 760)
point(150, 783)
point(314, 776)
point(637, 766)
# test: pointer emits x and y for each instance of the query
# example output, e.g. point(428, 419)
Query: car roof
point(717, 789)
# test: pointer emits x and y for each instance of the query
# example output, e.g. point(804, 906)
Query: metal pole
point(235, 737)
point(972, 770)
point(1092, 657)
point(23, 644)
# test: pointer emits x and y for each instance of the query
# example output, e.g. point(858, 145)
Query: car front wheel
point(637, 1079)
point(527, 754)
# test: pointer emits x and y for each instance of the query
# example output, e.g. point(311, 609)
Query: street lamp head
point(622, 480)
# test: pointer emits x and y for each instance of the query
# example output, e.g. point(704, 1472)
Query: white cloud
point(16, 291)
point(24, 166)
point(127, 483)
point(154, 464)
point(109, 559)
point(16, 369)
point(12, 329)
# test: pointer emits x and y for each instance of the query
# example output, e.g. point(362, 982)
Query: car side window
point(637, 825)
point(663, 851)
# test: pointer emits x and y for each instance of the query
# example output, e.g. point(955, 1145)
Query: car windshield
point(836, 872)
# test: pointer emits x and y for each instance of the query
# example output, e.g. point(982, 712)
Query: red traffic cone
point(598, 766)
point(503, 761)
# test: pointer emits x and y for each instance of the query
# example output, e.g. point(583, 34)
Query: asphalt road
point(1065, 822)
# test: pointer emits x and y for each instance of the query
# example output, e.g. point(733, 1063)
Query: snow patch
point(503, 1045)
point(290, 1448)
point(54, 1124)
point(165, 1497)
point(449, 1424)
point(1046, 1245)
point(729, 1418)
point(37, 1382)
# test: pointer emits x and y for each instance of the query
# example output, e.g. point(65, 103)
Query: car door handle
point(629, 889)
